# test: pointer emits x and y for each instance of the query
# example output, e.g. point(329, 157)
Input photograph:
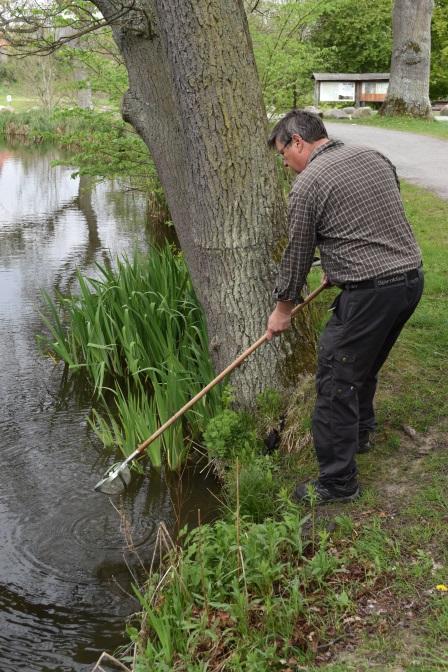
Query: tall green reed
point(138, 333)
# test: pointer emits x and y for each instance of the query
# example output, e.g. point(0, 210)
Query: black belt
point(388, 281)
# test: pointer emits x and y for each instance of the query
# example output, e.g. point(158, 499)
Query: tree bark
point(408, 91)
point(84, 92)
point(195, 99)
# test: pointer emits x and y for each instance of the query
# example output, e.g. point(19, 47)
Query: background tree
point(408, 91)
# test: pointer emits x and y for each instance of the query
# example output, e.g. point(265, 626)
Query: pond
point(68, 555)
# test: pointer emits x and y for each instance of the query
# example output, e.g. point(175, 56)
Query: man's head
point(296, 136)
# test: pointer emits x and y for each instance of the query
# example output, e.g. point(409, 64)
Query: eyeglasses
point(282, 150)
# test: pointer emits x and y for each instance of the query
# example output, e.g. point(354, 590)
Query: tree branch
point(25, 30)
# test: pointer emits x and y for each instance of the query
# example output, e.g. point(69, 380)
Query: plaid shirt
point(347, 203)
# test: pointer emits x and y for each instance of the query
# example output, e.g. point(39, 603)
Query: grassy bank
point(343, 588)
point(99, 143)
point(436, 129)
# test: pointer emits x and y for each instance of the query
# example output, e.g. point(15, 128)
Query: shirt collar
point(324, 148)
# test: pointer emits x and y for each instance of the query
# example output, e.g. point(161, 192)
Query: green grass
point(21, 101)
point(253, 596)
point(437, 129)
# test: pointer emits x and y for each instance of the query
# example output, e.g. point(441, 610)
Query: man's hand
point(280, 319)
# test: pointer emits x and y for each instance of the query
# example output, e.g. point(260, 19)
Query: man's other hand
point(280, 319)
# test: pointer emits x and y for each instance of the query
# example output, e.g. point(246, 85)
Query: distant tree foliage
point(103, 62)
point(438, 87)
point(285, 54)
point(357, 35)
point(291, 39)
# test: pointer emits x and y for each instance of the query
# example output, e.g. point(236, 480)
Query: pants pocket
point(335, 376)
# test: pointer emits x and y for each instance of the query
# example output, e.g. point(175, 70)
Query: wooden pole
point(239, 360)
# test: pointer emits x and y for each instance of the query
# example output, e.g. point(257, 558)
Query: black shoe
point(322, 494)
point(365, 441)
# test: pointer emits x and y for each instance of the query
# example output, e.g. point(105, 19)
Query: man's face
point(293, 152)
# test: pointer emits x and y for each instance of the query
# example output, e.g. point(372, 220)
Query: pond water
point(67, 554)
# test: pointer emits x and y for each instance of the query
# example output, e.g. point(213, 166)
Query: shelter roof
point(349, 77)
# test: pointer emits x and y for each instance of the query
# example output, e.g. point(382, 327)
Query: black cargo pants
point(367, 320)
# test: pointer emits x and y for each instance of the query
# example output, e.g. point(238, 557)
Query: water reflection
point(66, 554)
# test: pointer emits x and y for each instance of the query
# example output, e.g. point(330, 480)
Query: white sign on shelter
point(333, 91)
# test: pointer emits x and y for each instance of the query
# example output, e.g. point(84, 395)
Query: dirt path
point(420, 159)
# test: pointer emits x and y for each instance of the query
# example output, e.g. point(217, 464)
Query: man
point(346, 201)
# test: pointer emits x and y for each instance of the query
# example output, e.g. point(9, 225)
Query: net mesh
point(115, 482)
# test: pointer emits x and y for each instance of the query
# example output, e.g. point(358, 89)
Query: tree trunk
point(84, 90)
point(408, 91)
point(195, 99)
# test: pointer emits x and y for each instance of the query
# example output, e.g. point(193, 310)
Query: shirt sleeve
point(298, 255)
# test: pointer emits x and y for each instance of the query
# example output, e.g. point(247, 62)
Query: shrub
point(230, 435)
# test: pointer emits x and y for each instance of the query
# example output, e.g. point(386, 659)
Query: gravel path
point(418, 158)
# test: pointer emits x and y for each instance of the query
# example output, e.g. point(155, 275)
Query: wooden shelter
point(358, 89)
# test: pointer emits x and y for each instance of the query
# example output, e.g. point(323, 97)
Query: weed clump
point(236, 443)
point(254, 486)
point(231, 435)
point(243, 596)
point(243, 447)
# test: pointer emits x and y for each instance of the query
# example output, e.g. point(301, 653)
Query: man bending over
point(346, 201)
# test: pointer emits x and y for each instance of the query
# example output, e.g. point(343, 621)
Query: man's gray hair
point(309, 126)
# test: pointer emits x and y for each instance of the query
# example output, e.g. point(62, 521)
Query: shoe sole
point(321, 502)
point(348, 498)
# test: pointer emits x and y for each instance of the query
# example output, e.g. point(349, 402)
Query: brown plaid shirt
point(347, 203)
